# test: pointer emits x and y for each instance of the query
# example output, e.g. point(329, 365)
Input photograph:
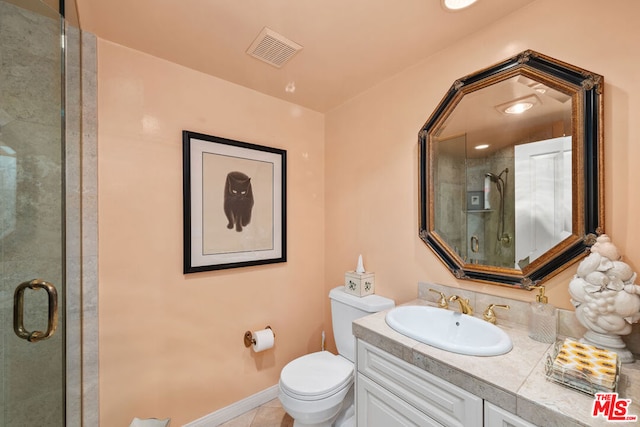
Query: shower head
point(497, 179)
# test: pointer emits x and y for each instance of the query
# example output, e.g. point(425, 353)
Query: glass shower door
point(32, 374)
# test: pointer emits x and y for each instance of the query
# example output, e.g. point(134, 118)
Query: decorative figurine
point(606, 298)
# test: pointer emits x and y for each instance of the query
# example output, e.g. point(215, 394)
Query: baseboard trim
point(236, 409)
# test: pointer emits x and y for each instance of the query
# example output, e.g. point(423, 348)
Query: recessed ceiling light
point(518, 108)
point(457, 4)
point(290, 87)
point(481, 146)
point(540, 88)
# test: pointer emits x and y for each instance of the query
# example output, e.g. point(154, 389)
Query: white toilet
point(317, 389)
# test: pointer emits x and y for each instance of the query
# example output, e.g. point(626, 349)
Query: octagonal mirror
point(511, 187)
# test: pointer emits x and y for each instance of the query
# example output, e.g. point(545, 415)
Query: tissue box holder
point(360, 284)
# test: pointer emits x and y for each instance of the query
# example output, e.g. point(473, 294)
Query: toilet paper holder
point(248, 337)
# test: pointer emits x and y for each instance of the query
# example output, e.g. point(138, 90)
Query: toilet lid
point(316, 375)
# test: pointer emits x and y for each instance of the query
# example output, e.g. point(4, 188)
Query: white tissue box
point(360, 284)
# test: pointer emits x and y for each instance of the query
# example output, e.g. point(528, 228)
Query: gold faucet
point(489, 314)
point(442, 302)
point(465, 307)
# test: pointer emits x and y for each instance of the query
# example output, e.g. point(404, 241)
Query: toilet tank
point(345, 308)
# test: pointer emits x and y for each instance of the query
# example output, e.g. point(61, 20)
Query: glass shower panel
point(32, 374)
point(450, 194)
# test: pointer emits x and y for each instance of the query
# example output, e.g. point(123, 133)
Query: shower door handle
point(18, 310)
point(475, 244)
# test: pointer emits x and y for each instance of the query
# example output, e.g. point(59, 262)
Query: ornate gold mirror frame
point(584, 128)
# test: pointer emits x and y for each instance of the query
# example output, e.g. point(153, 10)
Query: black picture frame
point(234, 203)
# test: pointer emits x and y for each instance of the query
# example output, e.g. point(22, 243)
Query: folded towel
point(587, 364)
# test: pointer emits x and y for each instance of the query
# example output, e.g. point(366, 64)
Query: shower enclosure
point(39, 215)
point(475, 207)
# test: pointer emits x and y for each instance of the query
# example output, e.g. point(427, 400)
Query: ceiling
point(349, 46)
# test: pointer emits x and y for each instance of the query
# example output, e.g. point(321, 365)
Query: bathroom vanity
point(401, 381)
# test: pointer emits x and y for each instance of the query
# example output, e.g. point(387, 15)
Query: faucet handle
point(489, 315)
point(465, 305)
point(442, 302)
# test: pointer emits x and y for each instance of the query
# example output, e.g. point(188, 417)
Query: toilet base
point(324, 424)
point(346, 416)
point(297, 421)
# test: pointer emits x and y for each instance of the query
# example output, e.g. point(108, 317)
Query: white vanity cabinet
point(495, 416)
point(391, 392)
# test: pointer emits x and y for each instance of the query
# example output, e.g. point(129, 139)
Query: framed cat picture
point(234, 203)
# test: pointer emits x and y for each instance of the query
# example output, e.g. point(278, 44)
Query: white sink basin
point(449, 330)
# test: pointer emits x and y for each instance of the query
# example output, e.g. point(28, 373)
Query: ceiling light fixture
point(481, 146)
point(457, 4)
point(518, 106)
point(540, 88)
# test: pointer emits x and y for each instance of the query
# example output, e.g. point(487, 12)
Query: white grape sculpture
point(606, 298)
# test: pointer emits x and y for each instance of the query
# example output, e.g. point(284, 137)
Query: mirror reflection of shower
point(8, 181)
point(501, 186)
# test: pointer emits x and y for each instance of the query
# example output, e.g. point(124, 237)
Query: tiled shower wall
point(82, 229)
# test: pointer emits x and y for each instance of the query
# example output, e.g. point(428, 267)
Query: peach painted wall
point(171, 345)
point(371, 143)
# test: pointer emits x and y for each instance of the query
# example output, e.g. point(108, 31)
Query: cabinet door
point(495, 416)
point(442, 401)
point(377, 407)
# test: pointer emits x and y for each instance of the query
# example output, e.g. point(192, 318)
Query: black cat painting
point(238, 200)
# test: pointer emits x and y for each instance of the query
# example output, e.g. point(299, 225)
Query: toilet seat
point(316, 376)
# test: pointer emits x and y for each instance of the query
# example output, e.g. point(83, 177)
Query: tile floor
point(270, 414)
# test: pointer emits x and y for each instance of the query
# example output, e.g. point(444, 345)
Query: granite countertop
point(515, 381)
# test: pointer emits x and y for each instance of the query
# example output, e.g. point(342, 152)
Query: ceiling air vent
point(273, 48)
